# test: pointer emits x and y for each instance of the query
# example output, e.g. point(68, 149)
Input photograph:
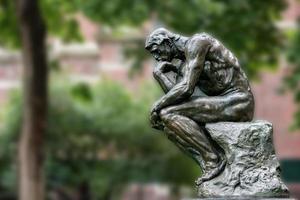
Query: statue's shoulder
point(201, 37)
point(198, 41)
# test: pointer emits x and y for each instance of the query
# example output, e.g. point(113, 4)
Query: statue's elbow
point(187, 91)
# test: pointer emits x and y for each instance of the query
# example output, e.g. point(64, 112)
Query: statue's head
point(161, 45)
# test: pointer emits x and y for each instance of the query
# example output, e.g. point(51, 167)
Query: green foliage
point(246, 26)
point(104, 140)
point(82, 91)
point(8, 145)
point(9, 33)
point(291, 81)
point(59, 17)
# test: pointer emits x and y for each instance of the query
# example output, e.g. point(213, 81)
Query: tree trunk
point(32, 31)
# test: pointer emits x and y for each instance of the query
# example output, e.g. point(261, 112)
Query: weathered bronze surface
point(204, 83)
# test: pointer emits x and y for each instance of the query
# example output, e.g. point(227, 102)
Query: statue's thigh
point(211, 109)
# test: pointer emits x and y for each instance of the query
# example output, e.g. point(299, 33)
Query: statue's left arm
point(195, 57)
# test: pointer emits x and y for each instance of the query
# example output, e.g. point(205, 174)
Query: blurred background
point(76, 88)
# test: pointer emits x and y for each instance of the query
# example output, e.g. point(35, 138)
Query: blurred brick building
point(102, 56)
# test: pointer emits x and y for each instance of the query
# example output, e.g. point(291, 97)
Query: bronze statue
point(203, 83)
point(206, 65)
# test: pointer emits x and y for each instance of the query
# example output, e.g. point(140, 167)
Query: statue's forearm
point(165, 83)
point(186, 87)
point(177, 93)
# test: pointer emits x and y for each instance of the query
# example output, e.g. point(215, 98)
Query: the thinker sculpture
point(207, 111)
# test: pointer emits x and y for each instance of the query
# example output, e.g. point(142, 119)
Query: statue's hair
point(158, 36)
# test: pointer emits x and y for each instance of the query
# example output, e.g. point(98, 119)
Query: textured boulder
point(252, 168)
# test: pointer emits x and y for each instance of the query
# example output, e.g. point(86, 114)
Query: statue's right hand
point(163, 67)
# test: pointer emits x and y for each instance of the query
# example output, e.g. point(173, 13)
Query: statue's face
point(162, 52)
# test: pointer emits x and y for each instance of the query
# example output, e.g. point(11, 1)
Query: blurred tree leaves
point(61, 20)
point(82, 91)
point(9, 33)
point(105, 141)
point(59, 17)
point(245, 26)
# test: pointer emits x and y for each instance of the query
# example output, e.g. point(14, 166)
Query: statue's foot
point(211, 172)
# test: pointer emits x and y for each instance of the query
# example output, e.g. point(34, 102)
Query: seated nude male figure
point(209, 86)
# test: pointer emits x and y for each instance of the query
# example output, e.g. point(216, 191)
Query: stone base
point(252, 169)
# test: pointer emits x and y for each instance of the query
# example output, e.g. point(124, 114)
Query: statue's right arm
point(197, 49)
point(163, 80)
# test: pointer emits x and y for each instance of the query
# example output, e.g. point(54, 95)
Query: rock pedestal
point(252, 169)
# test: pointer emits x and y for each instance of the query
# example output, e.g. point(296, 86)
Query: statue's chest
point(215, 78)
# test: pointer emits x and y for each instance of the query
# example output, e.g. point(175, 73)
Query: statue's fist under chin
point(164, 66)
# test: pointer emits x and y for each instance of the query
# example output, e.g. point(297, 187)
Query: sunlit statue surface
point(207, 111)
